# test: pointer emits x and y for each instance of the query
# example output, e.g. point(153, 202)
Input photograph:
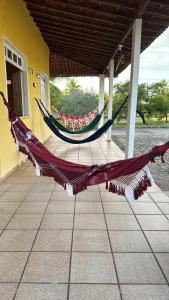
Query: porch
point(93, 246)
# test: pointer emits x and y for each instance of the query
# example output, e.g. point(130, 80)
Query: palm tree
point(71, 85)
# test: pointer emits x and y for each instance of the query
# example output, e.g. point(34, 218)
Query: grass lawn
point(151, 123)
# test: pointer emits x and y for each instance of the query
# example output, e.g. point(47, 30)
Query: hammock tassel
point(37, 169)
point(69, 189)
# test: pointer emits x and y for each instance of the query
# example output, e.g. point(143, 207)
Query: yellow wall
point(18, 27)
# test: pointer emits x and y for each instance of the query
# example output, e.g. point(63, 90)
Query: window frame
point(8, 45)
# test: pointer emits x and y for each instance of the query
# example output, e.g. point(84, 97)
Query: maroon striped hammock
point(128, 177)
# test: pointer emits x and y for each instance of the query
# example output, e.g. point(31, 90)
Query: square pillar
point(110, 105)
point(134, 76)
point(101, 98)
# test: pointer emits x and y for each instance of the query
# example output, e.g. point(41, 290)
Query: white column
point(110, 106)
point(134, 75)
point(101, 97)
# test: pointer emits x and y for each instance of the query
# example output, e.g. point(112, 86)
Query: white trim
point(45, 97)
point(101, 97)
point(134, 75)
point(110, 104)
point(25, 90)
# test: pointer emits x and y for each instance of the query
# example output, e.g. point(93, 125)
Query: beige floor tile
point(92, 268)
point(47, 267)
point(150, 222)
point(25, 221)
point(12, 265)
point(89, 207)
point(93, 188)
point(4, 186)
point(163, 259)
point(20, 187)
point(117, 208)
point(7, 290)
point(61, 207)
point(7, 207)
point(121, 222)
point(93, 292)
point(42, 292)
point(107, 196)
point(32, 207)
point(88, 196)
point(102, 188)
point(144, 198)
point(25, 179)
point(159, 240)
point(13, 196)
point(90, 221)
point(48, 187)
point(57, 221)
point(61, 195)
point(53, 240)
point(88, 240)
point(154, 188)
point(145, 208)
point(145, 292)
point(17, 240)
point(37, 196)
point(42, 179)
point(164, 207)
point(159, 197)
point(138, 268)
point(128, 241)
point(4, 219)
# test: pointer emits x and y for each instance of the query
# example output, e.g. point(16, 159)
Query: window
point(16, 73)
point(44, 89)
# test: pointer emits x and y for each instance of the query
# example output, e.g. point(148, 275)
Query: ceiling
point(83, 35)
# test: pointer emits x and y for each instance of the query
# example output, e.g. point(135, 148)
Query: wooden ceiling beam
point(75, 38)
point(78, 9)
point(35, 8)
point(77, 43)
point(96, 58)
point(76, 56)
point(73, 24)
point(115, 3)
point(59, 28)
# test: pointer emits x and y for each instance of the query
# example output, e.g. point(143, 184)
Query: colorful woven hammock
point(90, 138)
point(77, 122)
point(129, 177)
point(85, 129)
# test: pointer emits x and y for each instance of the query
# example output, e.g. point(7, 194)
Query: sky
point(154, 66)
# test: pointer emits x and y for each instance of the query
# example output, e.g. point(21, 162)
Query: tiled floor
point(95, 246)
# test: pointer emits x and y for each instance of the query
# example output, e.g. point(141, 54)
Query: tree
point(71, 85)
point(159, 99)
point(78, 103)
point(142, 100)
point(55, 96)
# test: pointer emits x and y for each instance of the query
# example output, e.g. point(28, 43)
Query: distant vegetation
point(72, 100)
point(152, 104)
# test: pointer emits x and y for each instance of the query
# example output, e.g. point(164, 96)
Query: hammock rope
point(85, 129)
point(94, 136)
point(128, 177)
